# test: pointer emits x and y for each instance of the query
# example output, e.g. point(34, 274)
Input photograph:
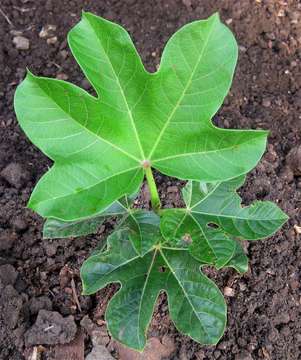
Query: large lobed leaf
point(196, 305)
point(99, 144)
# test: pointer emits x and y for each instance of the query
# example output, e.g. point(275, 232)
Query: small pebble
point(244, 355)
point(266, 103)
point(64, 54)
point(46, 31)
point(172, 189)
point(19, 224)
point(15, 175)
point(62, 76)
point(229, 292)
point(21, 42)
point(85, 84)
point(287, 174)
point(293, 160)
point(52, 40)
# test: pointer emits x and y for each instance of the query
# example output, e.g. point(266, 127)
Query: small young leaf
point(196, 305)
point(221, 205)
point(181, 230)
point(100, 144)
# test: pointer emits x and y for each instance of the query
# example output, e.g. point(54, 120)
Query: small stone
point(46, 31)
point(100, 336)
point(39, 303)
point(200, 355)
point(50, 248)
point(88, 324)
point(242, 286)
point(187, 3)
point(273, 335)
point(99, 352)
point(85, 84)
point(244, 355)
point(7, 239)
point(64, 54)
point(19, 224)
point(172, 189)
point(51, 328)
point(293, 160)
point(229, 292)
point(62, 76)
point(11, 306)
point(297, 229)
point(52, 40)
point(266, 103)
point(14, 175)
point(287, 174)
point(282, 318)
point(8, 274)
point(21, 42)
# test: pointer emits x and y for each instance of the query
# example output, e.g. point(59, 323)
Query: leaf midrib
point(122, 93)
point(143, 291)
point(183, 93)
point(184, 291)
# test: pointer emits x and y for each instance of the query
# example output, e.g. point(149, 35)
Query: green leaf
point(99, 145)
point(210, 246)
point(54, 228)
point(221, 205)
point(196, 305)
point(143, 229)
point(239, 261)
point(143, 226)
point(222, 245)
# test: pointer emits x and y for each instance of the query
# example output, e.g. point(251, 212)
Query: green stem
point(155, 200)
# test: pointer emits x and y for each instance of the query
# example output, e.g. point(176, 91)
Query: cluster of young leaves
point(101, 147)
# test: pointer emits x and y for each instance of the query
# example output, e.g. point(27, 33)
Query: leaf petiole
point(155, 199)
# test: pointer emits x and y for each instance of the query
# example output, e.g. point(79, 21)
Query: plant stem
point(155, 200)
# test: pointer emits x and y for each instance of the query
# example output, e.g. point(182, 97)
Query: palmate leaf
point(142, 226)
point(100, 144)
point(218, 204)
point(196, 305)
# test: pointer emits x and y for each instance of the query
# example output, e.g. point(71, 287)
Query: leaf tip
point(215, 16)
point(84, 13)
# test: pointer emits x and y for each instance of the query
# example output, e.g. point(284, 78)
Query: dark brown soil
point(264, 313)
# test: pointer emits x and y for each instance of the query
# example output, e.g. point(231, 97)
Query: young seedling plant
point(103, 146)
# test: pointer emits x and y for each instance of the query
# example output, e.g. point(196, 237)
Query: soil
point(264, 306)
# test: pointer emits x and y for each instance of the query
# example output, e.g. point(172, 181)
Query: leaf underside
point(98, 143)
